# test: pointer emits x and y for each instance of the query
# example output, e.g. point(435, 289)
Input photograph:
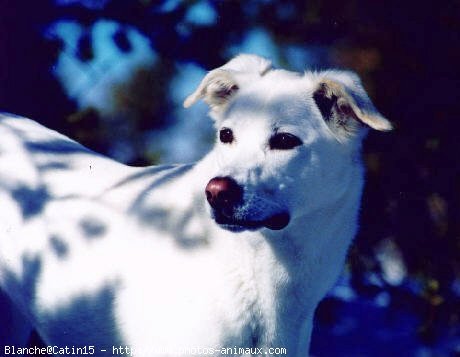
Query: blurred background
point(112, 74)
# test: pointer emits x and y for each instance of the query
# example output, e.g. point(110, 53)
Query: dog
point(229, 255)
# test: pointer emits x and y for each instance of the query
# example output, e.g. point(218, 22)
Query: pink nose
point(223, 192)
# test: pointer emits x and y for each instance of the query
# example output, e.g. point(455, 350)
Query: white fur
point(97, 253)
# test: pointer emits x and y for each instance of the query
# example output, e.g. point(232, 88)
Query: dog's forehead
point(278, 83)
point(278, 97)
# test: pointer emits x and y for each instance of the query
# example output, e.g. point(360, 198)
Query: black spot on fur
point(59, 246)
point(31, 200)
point(92, 228)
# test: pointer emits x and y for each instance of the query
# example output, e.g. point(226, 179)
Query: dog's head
point(287, 143)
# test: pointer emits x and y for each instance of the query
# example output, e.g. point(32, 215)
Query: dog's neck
point(312, 251)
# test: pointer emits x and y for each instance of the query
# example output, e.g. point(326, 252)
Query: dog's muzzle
point(224, 195)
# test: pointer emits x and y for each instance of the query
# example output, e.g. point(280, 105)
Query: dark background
point(400, 294)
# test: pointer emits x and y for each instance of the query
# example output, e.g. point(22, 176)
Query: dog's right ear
point(221, 84)
point(216, 88)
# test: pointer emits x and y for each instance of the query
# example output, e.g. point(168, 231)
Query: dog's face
point(286, 143)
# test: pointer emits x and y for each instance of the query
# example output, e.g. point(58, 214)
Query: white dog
point(230, 255)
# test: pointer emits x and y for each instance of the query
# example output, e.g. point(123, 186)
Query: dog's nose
point(223, 192)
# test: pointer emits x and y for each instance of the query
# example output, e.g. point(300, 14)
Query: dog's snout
point(223, 192)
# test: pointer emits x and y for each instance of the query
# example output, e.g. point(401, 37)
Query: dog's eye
point(226, 135)
point(284, 141)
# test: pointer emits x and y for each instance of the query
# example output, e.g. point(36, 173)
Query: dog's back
point(41, 172)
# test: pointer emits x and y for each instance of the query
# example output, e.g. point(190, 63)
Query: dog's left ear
point(222, 83)
point(344, 103)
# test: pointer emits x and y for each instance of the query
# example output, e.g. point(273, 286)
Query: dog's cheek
point(301, 192)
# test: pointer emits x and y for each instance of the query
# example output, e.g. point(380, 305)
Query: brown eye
point(284, 141)
point(226, 135)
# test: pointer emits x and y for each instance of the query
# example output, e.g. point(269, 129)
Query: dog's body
point(100, 254)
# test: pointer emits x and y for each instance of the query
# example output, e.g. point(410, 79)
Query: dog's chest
point(256, 284)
